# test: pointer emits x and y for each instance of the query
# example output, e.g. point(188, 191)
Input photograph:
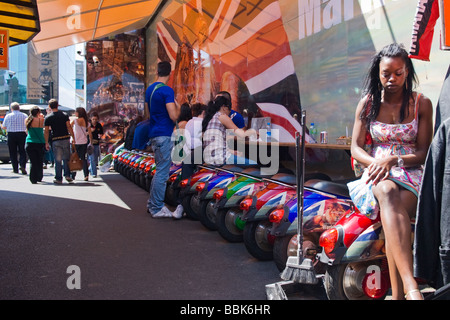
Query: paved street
point(102, 227)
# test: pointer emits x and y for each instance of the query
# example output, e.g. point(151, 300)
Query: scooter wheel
point(283, 248)
point(256, 239)
point(226, 225)
point(142, 181)
point(148, 182)
point(186, 202)
point(344, 281)
point(208, 214)
point(171, 195)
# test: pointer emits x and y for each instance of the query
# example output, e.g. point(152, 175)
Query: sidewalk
point(102, 227)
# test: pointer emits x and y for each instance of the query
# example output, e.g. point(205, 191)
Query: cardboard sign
point(4, 45)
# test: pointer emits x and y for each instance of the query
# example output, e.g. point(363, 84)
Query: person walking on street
point(48, 155)
point(96, 130)
point(81, 133)
point(164, 111)
point(59, 125)
point(14, 124)
point(35, 144)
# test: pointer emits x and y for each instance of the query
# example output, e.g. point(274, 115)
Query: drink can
point(324, 137)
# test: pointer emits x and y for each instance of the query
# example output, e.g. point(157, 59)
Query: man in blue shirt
point(14, 124)
point(140, 138)
point(164, 111)
point(237, 118)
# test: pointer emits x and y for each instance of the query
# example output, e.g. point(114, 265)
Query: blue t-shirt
point(238, 119)
point(140, 138)
point(160, 122)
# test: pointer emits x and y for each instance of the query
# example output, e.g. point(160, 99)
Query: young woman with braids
point(400, 123)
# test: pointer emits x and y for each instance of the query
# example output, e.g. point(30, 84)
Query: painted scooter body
point(324, 203)
point(225, 205)
point(256, 208)
point(279, 189)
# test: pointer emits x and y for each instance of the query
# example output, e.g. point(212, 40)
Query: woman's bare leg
point(394, 206)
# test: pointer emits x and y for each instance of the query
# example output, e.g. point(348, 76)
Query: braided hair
point(372, 85)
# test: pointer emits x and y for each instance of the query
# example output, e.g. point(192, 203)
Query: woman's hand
point(251, 132)
point(379, 169)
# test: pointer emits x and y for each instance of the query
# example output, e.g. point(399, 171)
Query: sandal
point(413, 291)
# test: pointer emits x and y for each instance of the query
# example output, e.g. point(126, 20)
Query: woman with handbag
point(81, 132)
point(399, 121)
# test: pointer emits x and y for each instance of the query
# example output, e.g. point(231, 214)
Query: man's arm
point(5, 123)
point(89, 132)
point(46, 135)
point(69, 128)
point(174, 110)
point(146, 113)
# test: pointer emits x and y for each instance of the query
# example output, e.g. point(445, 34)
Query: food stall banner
point(4, 40)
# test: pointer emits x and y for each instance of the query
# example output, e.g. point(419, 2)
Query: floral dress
point(398, 139)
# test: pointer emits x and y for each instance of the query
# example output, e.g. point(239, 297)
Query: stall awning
point(67, 22)
point(21, 19)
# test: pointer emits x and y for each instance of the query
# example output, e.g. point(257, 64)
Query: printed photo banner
point(227, 45)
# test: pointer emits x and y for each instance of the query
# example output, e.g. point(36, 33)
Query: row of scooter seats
point(312, 180)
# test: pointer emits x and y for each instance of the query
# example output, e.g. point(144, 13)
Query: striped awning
point(68, 22)
point(21, 19)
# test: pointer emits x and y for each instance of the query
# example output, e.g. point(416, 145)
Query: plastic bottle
point(269, 132)
point(313, 131)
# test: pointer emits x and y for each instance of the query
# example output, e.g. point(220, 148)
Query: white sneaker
point(163, 213)
point(178, 213)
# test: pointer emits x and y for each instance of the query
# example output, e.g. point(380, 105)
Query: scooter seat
point(254, 172)
point(232, 167)
point(329, 187)
point(285, 178)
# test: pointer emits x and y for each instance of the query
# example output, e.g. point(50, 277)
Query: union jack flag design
point(234, 45)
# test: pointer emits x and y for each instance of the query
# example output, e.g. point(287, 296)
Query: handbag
point(357, 167)
point(362, 196)
point(75, 163)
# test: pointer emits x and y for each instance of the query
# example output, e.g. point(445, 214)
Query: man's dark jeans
point(16, 145)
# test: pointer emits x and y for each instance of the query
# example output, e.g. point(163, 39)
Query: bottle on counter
point(269, 131)
point(313, 131)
